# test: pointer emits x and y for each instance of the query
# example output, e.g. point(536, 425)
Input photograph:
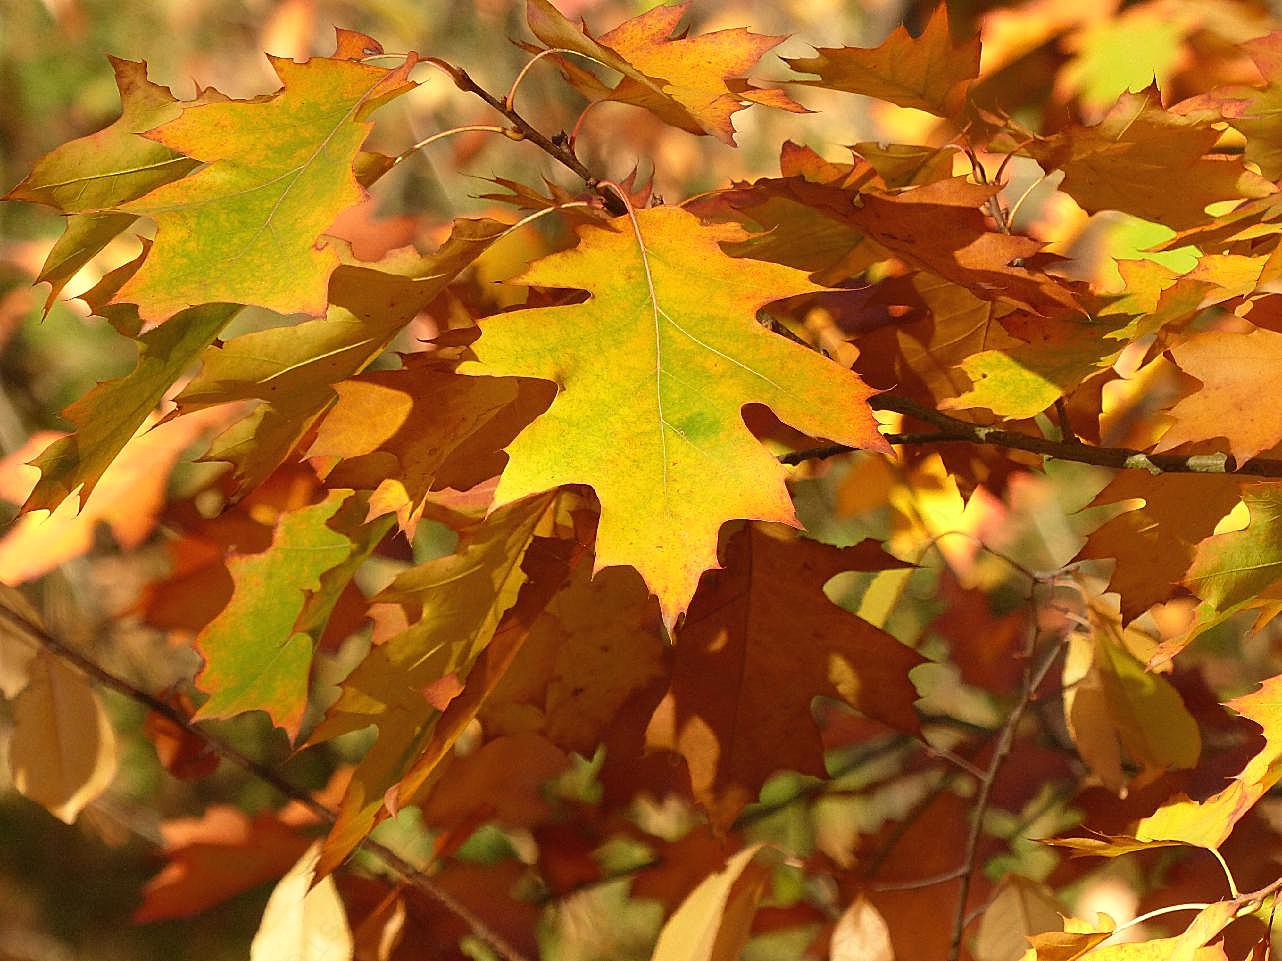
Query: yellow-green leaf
point(255, 659)
point(246, 227)
point(654, 370)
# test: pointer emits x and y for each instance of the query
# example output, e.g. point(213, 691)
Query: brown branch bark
point(557, 150)
point(953, 430)
point(1034, 675)
point(262, 772)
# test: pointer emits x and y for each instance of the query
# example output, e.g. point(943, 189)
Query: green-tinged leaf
point(83, 238)
point(110, 414)
point(255, 656)
point(1024, 381)
point(1230, 568)
point(292, 371)
point(929, 72)
point(654, 370)
point(115, 164)
point(1113, 704)
point(246, 227)
point(454, 605)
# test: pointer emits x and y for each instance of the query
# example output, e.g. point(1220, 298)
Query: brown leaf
point(1153, 544)
point(1111, 166)
point(761, 641)
point(1236, 371)
point(929, 73)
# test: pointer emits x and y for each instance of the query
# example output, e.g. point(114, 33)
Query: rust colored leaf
point(1236, 370)
point(760, 643)
point(692, 82)
point(929, 72)
point(1112, 165)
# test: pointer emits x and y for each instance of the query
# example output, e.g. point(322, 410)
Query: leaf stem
point(1033, 678)
point(510, 99)
point(485, 128)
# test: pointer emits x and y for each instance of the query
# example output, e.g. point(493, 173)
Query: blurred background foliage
point(70, 891)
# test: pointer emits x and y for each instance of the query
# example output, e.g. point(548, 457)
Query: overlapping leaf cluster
point(622, 596)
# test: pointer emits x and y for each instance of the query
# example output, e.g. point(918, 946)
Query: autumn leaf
point(739, 706)
point(455, 605)
point(694, 83)
point(1021, 907)
point(111, 413)
point(1252, 110)
point(404, 433)
point(928, 73)
point(596, 644)
point(1112, 703)
point(218, 855)
point(255, 658)
point(1230, 568)
point(1149, 162)
point(1208, 823)
point(130, 495)
point(303, 921)
point(63, 750)
point(245, 227)
point(1234, 370)
point(861, 934)
point(1153, 544)
point(669, 461)
point(712, 923)
point(103, 170)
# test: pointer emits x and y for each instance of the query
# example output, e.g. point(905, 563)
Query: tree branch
point(1033, 678)
point(263, 772)
point(953, 430)
point(557, 150)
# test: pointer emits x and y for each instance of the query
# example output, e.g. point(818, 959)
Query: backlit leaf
point(929, 72)
point(245, 227)
point(255, 658)
point(63, 750)
point(654, 369)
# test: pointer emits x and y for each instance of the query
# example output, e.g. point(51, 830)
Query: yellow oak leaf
point(654, 370)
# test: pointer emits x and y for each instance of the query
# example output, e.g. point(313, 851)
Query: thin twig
point(953, 430)
point(557, 151)
point(1066, 433)
point(263, 773)
point(1033, 678)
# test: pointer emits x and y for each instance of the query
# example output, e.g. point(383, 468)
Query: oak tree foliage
point(847, 562)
